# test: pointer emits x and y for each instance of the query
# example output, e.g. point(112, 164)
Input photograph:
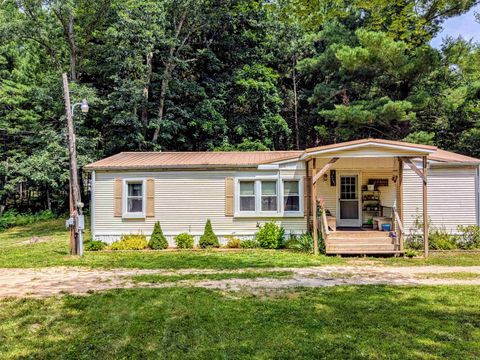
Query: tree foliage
point(231, 75)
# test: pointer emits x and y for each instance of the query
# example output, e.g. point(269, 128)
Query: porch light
point(84, 106)
point(325, 177)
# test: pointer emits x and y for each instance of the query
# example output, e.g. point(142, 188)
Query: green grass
point(156, 278)
point(461, 275)
point(436, 258)
point(364, 322)
point(14, 252)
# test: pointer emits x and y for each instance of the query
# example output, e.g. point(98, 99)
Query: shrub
point(130, 242)
point(249, 244)
point(94, 245)
point(158, 241)
point(410, 253)
point(305, 243)
point(470, 237)
point(440, 239)
point(184, 241)
point(233, 243)
point(12, 218)
point(208, 239)
point(270, 235)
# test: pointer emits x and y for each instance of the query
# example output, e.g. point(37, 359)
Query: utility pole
point(76, 206)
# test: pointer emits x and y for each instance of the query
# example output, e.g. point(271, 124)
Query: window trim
point(300, 196)
point(254, 196)
point(261, 196)
point(134, 215)
point(280, 212)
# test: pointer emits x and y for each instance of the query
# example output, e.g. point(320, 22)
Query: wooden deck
point(355, 242)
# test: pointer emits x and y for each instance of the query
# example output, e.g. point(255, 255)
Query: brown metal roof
point(176, 160)
point(451, 157)
point(144, 160)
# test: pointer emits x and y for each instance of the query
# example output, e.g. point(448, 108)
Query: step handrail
point(399, 225)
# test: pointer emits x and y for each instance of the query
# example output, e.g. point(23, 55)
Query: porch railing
point(323, 224)
point(398, 230)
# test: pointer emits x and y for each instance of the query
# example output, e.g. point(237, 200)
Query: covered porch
point(356, 189)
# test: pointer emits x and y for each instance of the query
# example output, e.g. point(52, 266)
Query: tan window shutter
point(150, 198)
point(229, 196)
point(307, 196)
point(117, 197)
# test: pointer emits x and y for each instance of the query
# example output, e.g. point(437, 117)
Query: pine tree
point(209, 239)
point(157, 239)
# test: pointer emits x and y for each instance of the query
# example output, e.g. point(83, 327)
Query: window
point(269, 196)
point(134, 198)
point(291, 195)
point(247, 195)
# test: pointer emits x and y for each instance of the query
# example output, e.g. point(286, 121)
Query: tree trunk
point(163, 92)
point(73, 48)
point(169, 66)
point(148, 59)
point(49, 201)
point(295, 104)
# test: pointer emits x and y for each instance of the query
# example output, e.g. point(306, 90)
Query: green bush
point(440, 239)
point(158, 241)
point(130, 242)
point(94, 245)
point(184, 241)
point(410, 253)
point(233, 242)
point(470, 237)
point(305, 243)
point(208, 239)
point(270, 235)
point(249, 244)
point(12, 218)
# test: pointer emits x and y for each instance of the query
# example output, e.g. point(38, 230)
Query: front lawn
point(364, 322)
point(50, 248)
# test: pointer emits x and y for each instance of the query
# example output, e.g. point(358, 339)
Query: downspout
point(92, 204)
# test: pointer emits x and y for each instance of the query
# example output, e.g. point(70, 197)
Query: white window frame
point(134, 215)
point(255, 195)
point(300, 196)
point(280, 212)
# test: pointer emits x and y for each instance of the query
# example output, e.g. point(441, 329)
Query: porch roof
point(371, 148)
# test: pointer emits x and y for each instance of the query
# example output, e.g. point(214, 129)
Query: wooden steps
point(360, 242)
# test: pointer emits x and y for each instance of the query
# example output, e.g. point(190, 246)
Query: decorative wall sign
point(333, 178)
point(378, 182)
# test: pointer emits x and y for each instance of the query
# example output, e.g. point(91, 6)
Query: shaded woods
point(224, 75)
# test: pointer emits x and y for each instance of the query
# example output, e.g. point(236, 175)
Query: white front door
point(348, 213)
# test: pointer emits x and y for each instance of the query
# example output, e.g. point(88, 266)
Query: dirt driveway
point(61, 280)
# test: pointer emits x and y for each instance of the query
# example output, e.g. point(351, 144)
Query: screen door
point(349, 214)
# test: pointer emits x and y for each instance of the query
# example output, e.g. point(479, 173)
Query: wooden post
point(309, 187)
point(400, 197)
point(425, 210)
point(314, 211)
point(74, 189)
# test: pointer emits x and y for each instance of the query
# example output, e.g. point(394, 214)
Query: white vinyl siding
point(451, 197)
point(184, 200)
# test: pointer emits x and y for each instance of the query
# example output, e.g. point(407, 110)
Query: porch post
point(314, 210)
point(308, 189)
point(425, 210)
point(400, 197)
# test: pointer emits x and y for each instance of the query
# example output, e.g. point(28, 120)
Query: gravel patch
point(53, 281)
